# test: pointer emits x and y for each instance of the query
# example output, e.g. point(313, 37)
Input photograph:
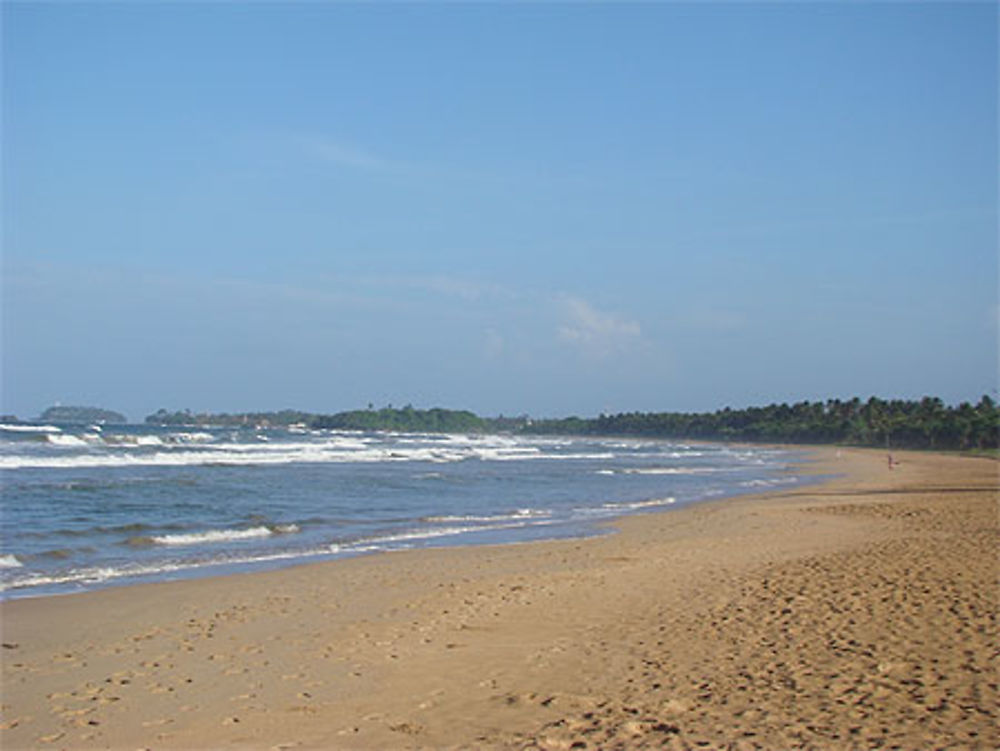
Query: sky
point(551, 208)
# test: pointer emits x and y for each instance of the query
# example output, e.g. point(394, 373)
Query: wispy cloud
point(493, 344)
point(445, 285)
point(714, 320)
point(595, 332)
point(345, 154)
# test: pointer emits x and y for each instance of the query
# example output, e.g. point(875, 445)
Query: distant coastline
point(927, 423)
point(78, 415)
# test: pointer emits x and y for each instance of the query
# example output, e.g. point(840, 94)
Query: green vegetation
point(81, 415)
point(924, 424)
point(283, 418)
point(407, 419)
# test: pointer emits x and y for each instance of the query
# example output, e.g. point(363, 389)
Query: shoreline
point(123, 575)
point(755, 620)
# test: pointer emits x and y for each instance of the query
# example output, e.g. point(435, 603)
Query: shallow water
point(84, 507)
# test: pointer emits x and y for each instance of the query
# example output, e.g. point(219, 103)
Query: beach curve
point(859, 613)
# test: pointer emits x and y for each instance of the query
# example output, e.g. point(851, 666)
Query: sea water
point(92, 506)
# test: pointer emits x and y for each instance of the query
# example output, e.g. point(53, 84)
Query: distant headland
point(63, 414)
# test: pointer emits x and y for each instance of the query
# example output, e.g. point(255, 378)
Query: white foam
point(513, 521)
point(10, 561)
point(30, 428)
point(100, 574)
point(773, 482)
point(61, 439)
point(522, 513)
point(628, 505)
point(506, 453)
point(668, 470)
point(188, 448)
point(197, 437)
point(230, 455)
point(656, 471)
point(336, 450)
point(126, 440)
point(418, 534)
point(214, 535)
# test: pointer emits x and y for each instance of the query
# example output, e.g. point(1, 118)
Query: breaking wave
point(30, 428)
point(520, 514)
point(217, 535)
point(631, 505)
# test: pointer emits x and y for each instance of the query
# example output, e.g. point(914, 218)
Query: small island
point(75, 415)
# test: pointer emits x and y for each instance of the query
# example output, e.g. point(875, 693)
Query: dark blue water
point(88, 507)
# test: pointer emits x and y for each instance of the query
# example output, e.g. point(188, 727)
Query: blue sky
point(555, 209)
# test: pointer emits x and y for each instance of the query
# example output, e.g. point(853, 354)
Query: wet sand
point(860, 613)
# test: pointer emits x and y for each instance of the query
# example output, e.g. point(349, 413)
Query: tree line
point(927, 423)
point(186, 417)
point(407, 419)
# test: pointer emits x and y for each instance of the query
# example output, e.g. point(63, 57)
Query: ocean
point(85, 507)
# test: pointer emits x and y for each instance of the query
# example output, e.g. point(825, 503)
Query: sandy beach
point(859, 613)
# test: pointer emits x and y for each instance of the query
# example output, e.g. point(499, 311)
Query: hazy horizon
point(548, 209)
point(138, 419)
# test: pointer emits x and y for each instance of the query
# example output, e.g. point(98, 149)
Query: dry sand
point(856, 614)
